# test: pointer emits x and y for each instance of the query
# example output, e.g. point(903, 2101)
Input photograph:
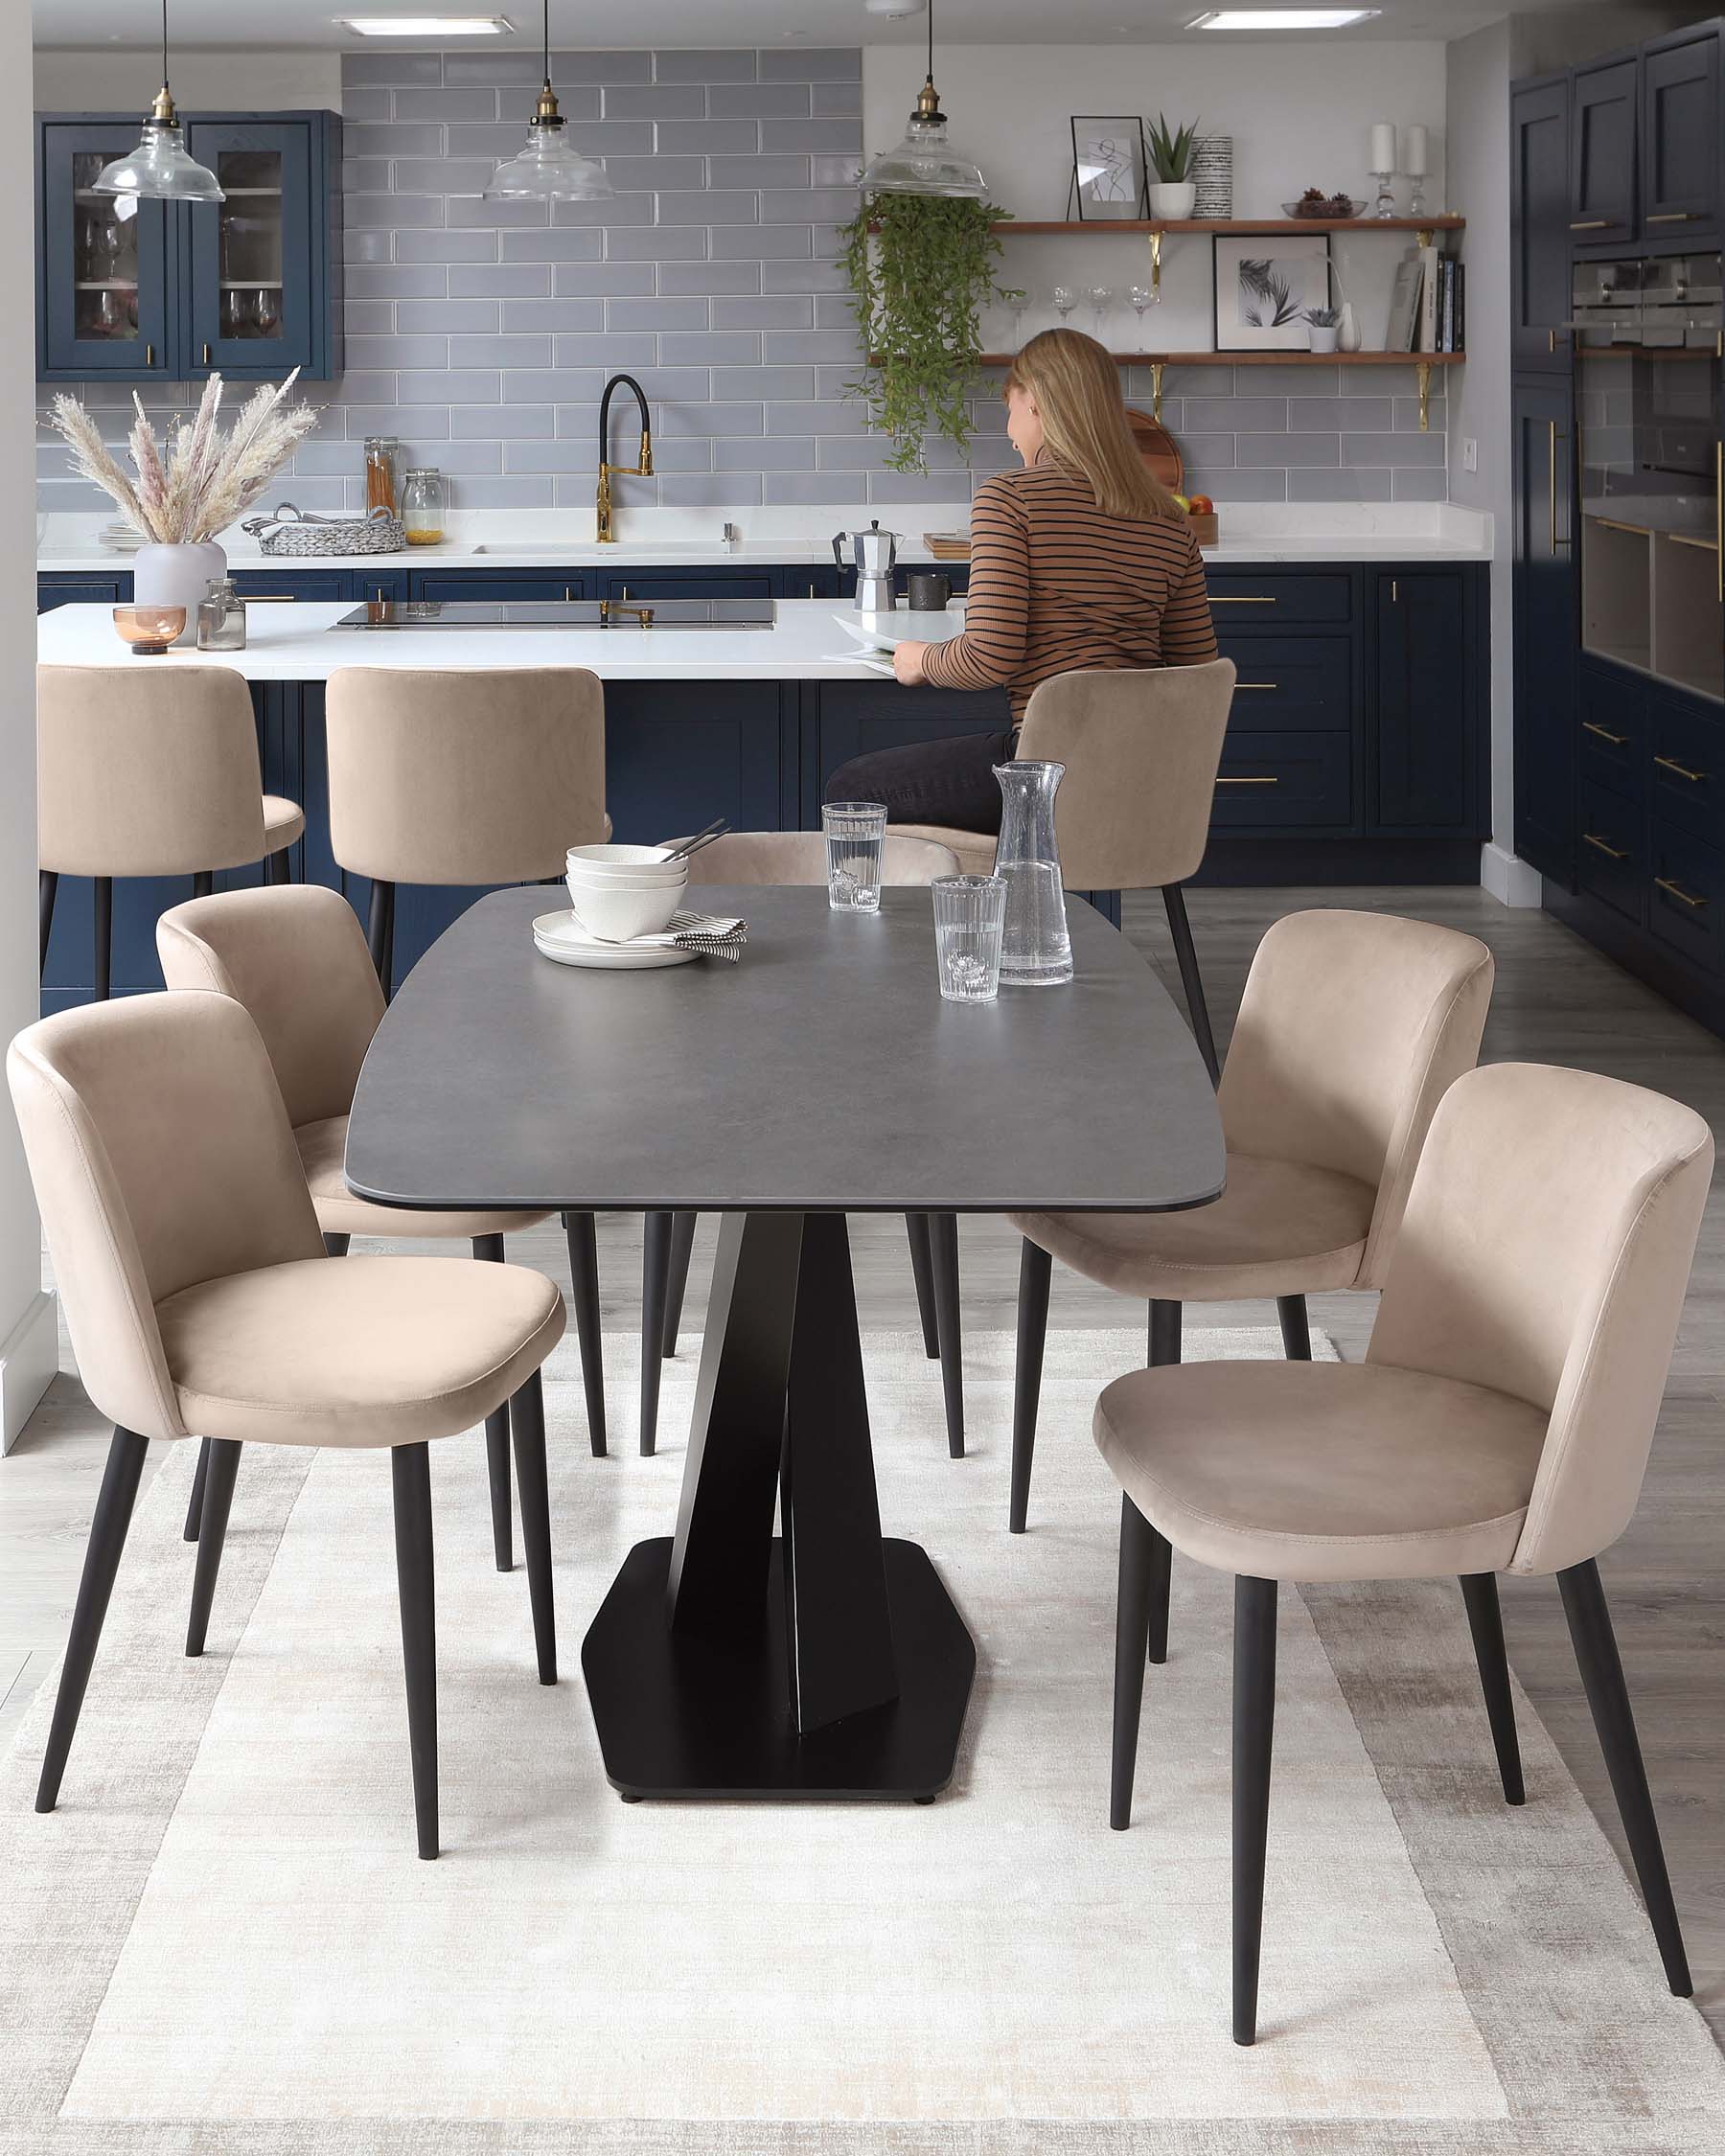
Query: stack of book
point(1428, 306)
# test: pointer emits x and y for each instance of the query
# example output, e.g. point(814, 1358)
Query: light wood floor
point(1557, 1001)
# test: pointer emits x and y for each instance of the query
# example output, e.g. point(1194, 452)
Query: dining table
point(775, 1643)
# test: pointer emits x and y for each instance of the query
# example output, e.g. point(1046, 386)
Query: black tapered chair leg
point(1295, 1328)
point(102, 1560)
point(104, 936)
point(683, 1249)
point(410, 1474)
point(223, 1456)
point(943, 1243)
point(1191, 981)
point(655, 1291)
point(277, 866)
point(1486, 1621)
point(490, 1249)
point(1035, 1269)
point(1254, 1727)
point(1596, 1648)
point(581, 1233)
point(1138, 1564)
point(204, 883)
point(1164, 1348)
point(922, 1273)
point(527, 1421)
point(336, 1245)
point(380, 933)
point(46, 889)
point(200, 1476)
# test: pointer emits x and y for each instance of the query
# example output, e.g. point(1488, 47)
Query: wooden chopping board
point(1158, 447)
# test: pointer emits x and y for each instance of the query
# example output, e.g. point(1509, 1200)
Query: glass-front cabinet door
point(105, 268)
point(250, 299)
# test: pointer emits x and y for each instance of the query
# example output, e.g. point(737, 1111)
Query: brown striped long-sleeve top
point(1055, 585)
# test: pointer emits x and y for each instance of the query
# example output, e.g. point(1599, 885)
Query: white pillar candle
point(1383, 147)
point(1414, 152)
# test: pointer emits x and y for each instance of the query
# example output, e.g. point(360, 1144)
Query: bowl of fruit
point(1314, 203)
point(1200, 515)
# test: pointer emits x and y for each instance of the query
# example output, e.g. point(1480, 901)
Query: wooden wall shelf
point(1263, 358)
point(1274, 226)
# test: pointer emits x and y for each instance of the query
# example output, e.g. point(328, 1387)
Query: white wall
point(117, 81)
point(1299, 117)
point(27, 1334)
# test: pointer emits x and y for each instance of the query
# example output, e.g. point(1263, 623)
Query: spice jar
point(425, 497)
point(382, 454)
point(221, 618)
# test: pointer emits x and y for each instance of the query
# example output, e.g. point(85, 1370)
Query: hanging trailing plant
point(921, 268)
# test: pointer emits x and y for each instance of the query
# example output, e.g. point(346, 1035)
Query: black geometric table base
point(824, 1662)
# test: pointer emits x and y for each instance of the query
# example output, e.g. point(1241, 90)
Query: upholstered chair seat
point(323, 1150)
point(973, 851)
point(375, 1351)
point(284, 822)
point(799, 856)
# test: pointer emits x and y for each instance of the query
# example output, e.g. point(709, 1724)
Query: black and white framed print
point(1109, 168)
point(1264, 285)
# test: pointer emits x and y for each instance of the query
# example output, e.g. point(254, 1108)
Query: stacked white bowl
point(617, 892)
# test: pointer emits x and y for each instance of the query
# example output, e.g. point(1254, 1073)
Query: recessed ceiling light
point(426, 25)
point(1282, 18)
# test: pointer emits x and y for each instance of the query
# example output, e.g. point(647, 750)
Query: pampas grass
point(205, 480)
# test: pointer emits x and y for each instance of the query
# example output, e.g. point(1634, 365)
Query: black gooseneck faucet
point(609, 470)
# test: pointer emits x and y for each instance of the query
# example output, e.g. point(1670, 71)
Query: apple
point(1201, 505)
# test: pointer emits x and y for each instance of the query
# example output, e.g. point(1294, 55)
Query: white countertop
point(301, 643)
point(1252, 533)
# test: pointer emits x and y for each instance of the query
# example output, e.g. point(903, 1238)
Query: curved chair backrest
point(1352, 1028)
point(478, 777)
point(161, 1156)
point(799, 856)
point(149, 772)
point(1141, 750)
point(295, 956)
point(1545, 1253)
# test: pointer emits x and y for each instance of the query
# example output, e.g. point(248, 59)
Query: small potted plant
point(1322, 324)
point(1173, 190)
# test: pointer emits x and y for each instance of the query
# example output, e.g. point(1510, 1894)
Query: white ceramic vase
point(1172, 198)
point(1347, 337)
point(177, 576)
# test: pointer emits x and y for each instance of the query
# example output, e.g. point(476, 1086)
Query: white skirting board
point(1509, 880)
point(29, 1359)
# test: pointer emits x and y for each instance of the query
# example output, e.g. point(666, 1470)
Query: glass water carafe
point(1036, 952)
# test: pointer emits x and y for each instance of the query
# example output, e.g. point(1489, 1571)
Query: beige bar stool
point(201, 1300)
point(1141, 748)
point(150, 774)
point(797, 856)
point(480, 777)
point(296, 959)
point(1501, 1422)
point(1351, 1029)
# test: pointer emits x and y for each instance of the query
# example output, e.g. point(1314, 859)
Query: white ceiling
point(279, 24)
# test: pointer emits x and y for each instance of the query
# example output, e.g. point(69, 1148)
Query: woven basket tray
point(292, 531)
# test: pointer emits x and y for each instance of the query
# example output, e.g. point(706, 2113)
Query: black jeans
point(943, 782)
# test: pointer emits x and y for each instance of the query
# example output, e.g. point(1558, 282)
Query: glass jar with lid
point(382, 458)
point(425, 503)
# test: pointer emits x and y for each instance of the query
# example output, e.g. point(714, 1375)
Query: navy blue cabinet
point(250, 285)
point(1427, 736)
point(66, 588)
point(1604, 151)
point(1680, 138)
point(1545, 660)
point(1539, 235)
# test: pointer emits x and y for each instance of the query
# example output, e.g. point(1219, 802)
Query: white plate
point(561, 938)
point(907, 627)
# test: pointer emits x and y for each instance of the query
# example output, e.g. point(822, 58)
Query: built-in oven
point(1648, 337)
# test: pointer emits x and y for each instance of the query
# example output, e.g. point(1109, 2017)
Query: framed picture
point(1108, 168)
point(1263, 287)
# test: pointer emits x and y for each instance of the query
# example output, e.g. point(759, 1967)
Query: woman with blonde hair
point(1082, 559)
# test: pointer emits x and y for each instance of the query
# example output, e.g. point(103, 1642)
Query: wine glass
point(1019, 305)
point(265, 312)
point(1141, 299)
point(1099, 298)
point(1065, 300)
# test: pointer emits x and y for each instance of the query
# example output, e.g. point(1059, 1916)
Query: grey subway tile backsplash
point(482, 332)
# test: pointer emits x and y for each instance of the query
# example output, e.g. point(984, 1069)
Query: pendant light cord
point(547, 2)
point(547, 37)
point(164, 43)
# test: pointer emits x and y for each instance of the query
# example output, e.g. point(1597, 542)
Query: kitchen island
point(1355, 753)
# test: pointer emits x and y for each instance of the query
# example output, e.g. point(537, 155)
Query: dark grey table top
point(822, 1072)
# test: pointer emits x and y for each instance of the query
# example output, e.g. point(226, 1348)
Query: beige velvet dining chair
point(799, 858)
point(296, 959)
point(1351, 1029)
point(201, 1302)
point(149, 772)
point(1501, 1422)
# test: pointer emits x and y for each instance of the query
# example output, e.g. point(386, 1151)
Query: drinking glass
point(969, 913)
point(1020, 306)
point(856, 832)
point(1099, 298)
point(1140, 298)
point(1065, 300)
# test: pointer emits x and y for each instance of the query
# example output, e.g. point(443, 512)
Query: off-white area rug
point(222, 1940)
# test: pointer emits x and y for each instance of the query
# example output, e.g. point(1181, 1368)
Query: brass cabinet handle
point(1591, 726)
point(1238, 685)
point(1670, 763)
point(568, 591)
point(206, 357)
point(1590, 224)
point(1677, 891)
point(1249, 782)
point(1229, 599)
point(1551, 336)
point(1551, 477)
point(1667, 216)
point(149, 355)
point(271, 598)
point(1604, 845)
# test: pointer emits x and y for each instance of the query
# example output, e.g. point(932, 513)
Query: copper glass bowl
point(149, 629)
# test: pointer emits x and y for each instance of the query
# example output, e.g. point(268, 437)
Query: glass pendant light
point(925, 162)
point(160, 169)
point(550, 169)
